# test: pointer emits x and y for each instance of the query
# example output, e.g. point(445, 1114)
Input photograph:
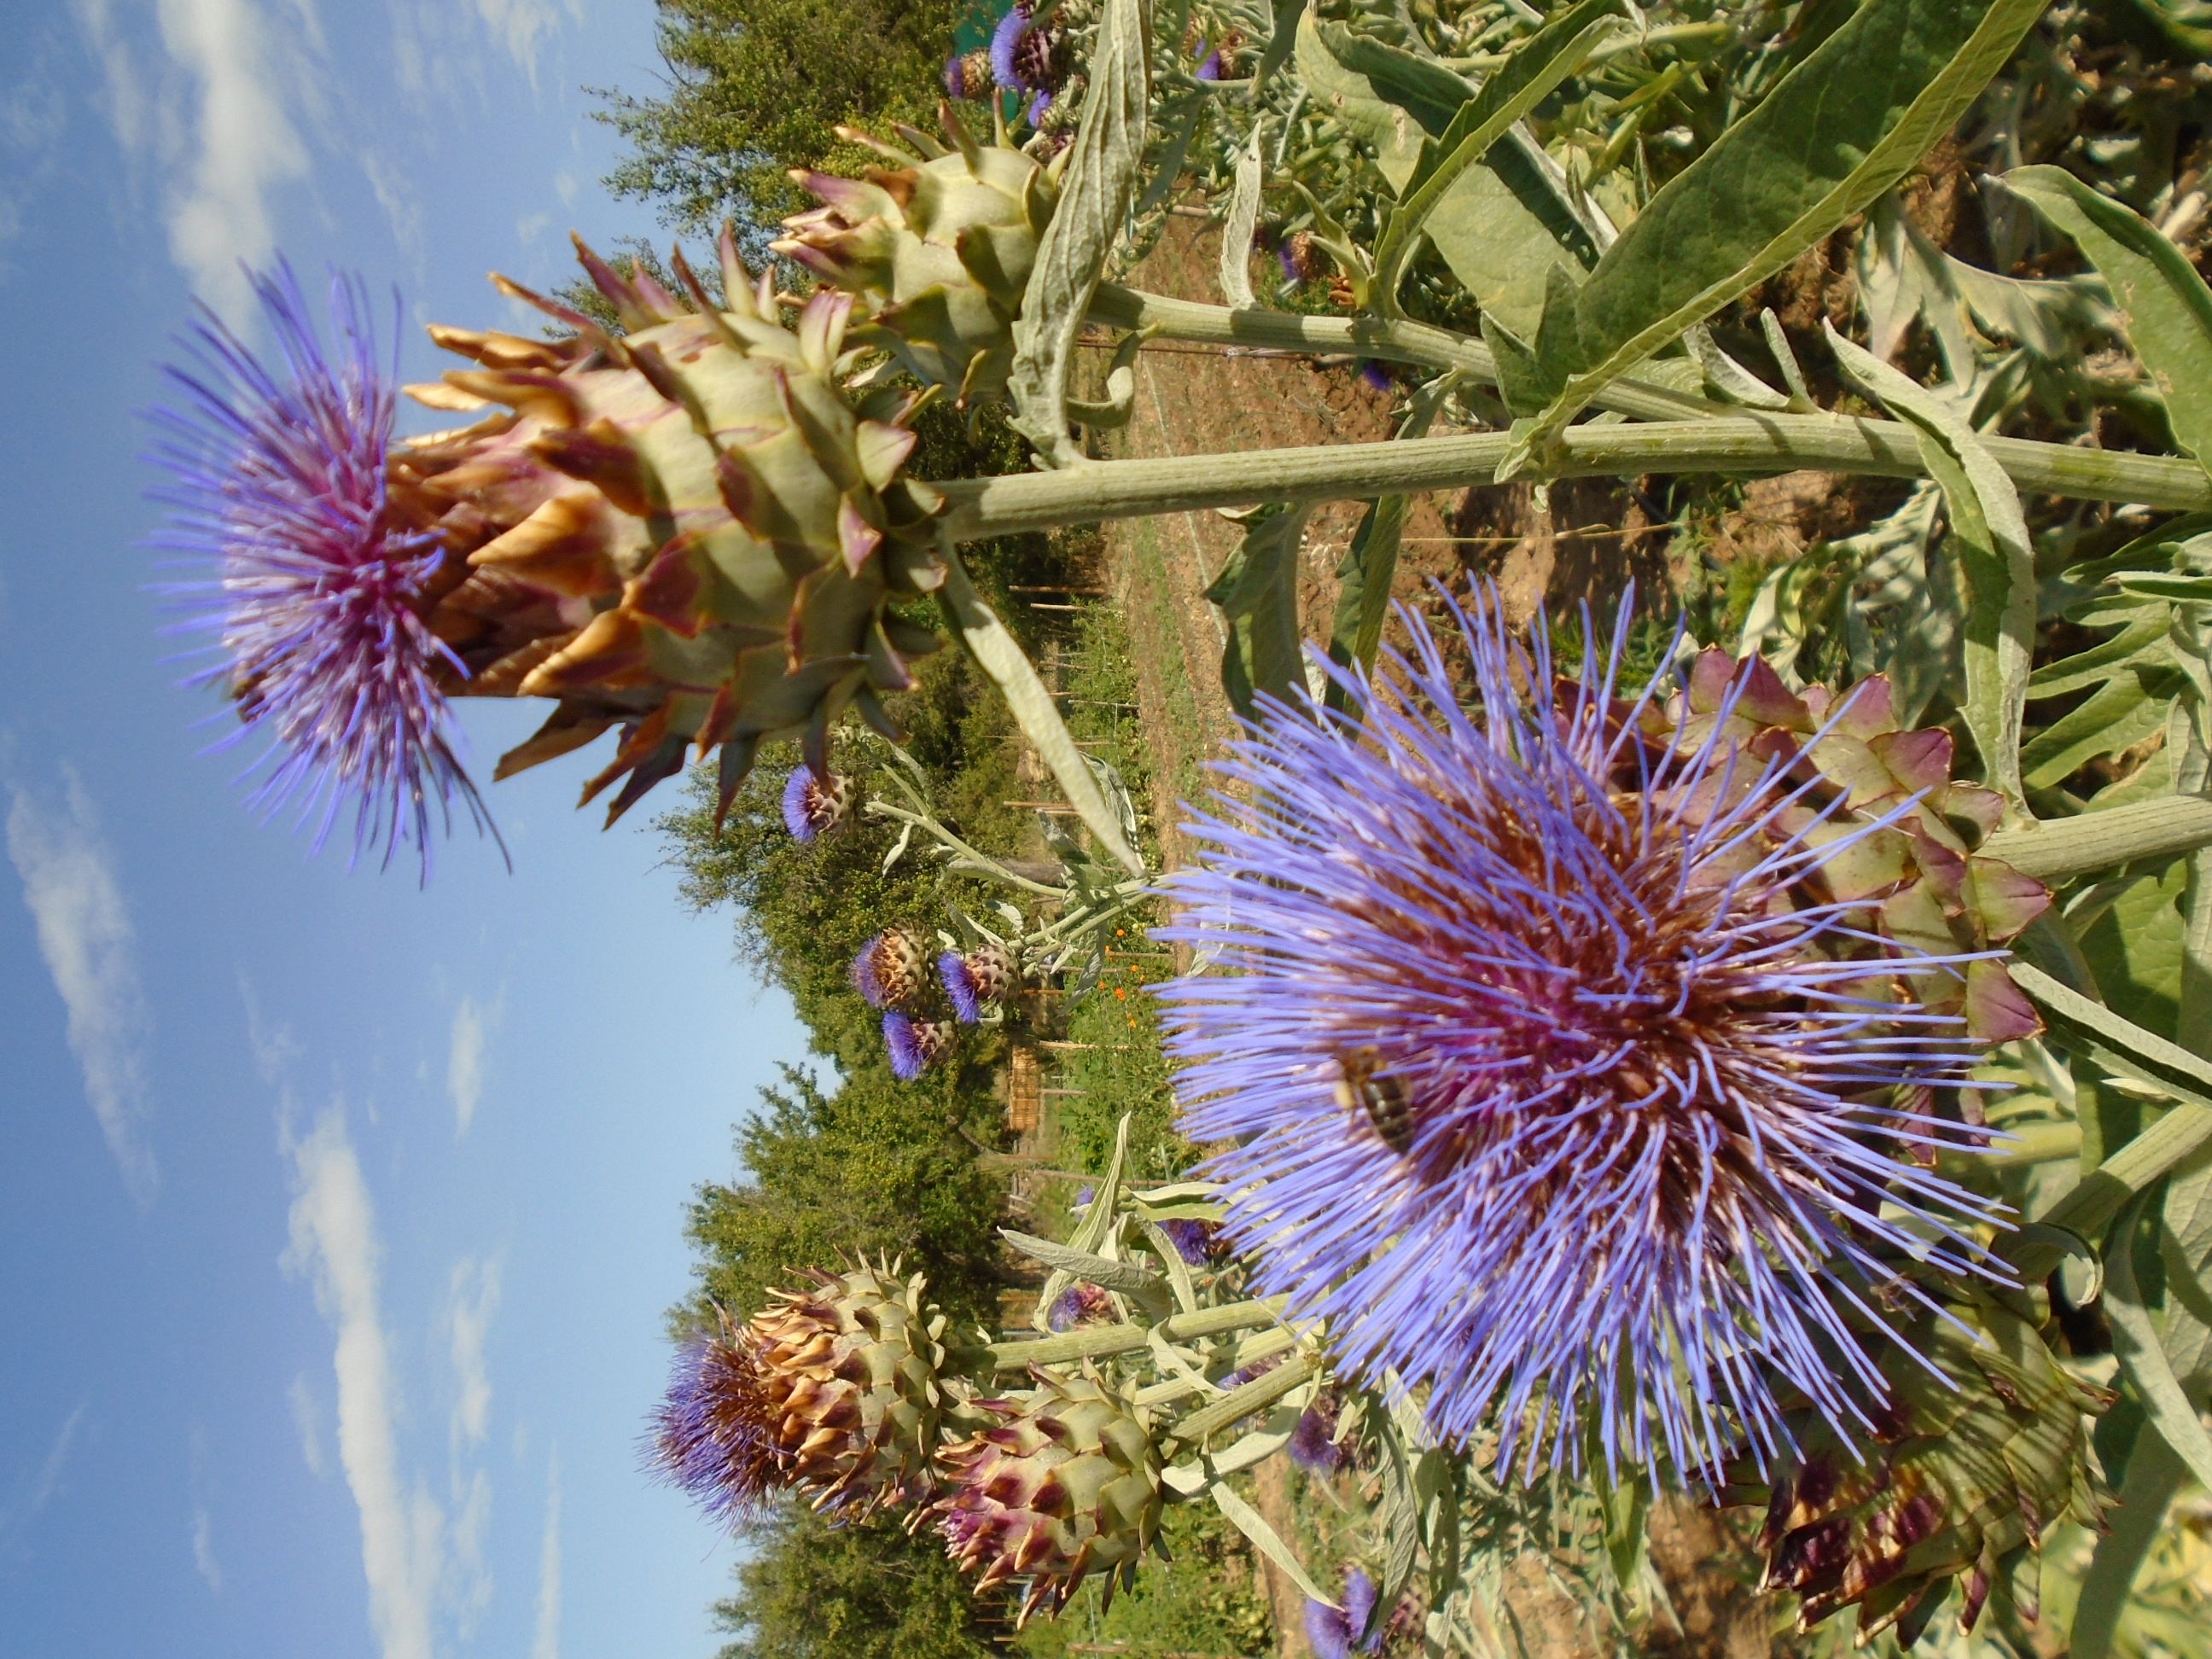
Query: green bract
point(687, 528)
point(937, 248)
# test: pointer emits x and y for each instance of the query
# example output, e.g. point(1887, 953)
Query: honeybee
point(1363, 1087)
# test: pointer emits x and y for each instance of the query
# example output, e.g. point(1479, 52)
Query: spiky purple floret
point(316, 600)
point(713, 1434)
point(959, 987)
point(1005, 64)
point(1541, 1079)
point(1194, 1240)
point(1334, 1632)
point(1210, 68)
point(1313, 1445)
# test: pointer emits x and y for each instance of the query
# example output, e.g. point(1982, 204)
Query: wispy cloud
point(203, 1548)
point(334, 1243)
point(521, 25)
point(32, 118)
point(548, 1642)
point(307, 1420)
point(39, 1489)
point(84, 931)
point(471, 1300)
point(473, 1026)
point(213, 115)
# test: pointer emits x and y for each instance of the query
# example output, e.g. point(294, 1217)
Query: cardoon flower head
point(813, 806)
point(1313, 1442)
point(888, 971)
point(714, 1434)
point(1557, 1074)
point(1025, 58)
point(1302, 257)
point(1078, 1302)
point(1196, 1242)
point(318, 599)
point(975, 979)
point(968, 74)
point(915, 1044)
point(1334, 1632)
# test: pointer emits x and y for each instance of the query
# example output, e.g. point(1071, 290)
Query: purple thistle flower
point(1313, 1442)
point(1210, 70)
point(714, 1432)
point(316, 599)
point(1005, 66)
point(1076, 1304)
point(1334, 1632)
point(811, 806)
point(915, 1044)
point(1544, 1082)
point(968, 74)
point(1083, 1198)
point(1303, 258)
point(960, 986)
point(887, 973)
point(1195, 1242)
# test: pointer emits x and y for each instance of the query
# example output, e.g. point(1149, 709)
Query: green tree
point(816, 1589)
point(757, 87)
point(876, 1166)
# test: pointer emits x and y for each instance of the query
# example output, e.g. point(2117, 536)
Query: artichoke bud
point(938, 250)
point(1923, 883)
point(1971, 1463)
point(850, 1370)
point(688, 530)
point(891, 968)
point(1065, 1484)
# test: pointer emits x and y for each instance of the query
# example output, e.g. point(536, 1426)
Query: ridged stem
point(982, 507)
point(1244, 1400)
point(2058, 849)
point(1103, 1340)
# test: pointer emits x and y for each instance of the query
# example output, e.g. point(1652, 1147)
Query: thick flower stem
point(1244, 1400)
point(1103, 1340)
point(2056, 849)
point(982, 507)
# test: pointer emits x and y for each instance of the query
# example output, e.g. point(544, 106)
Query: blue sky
point(338, 1217)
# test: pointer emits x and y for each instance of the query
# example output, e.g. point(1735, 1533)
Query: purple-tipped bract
point(316, 600)
point(1548, 1076)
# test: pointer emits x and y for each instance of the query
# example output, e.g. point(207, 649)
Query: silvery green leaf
point(1370, 565)
point(1401, 1525)
point(1253, 1525)
point(2154, 1474)
point(1182, 118)
point(1987, 522)
point(1538, 64)
point(2165, 308)
point(1244, 220)
point(898, 847)
point(1730, 378)
point(1177, 1270)
point(1785, 360)
point(2143, 1359)
point(1257, 592)
point(1836, 131)
point(1113, 411)
point(2121, 712)
point(1146, 1288)
point(1000, 657)
point(1095, 196)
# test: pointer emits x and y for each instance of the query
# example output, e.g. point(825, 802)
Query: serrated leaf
point(2145, 640)
point(2133, 945)
point(1244, 220)
point(1125, 1276)
point(2165, 306)
point(1253, 1525)
point(1838, 130)
point(1401, 1526)
point(1987, 522)
point(2120, 713)
point(1537, 66)
point(1095, 196)
point(1000, 657)
point(1257, 592)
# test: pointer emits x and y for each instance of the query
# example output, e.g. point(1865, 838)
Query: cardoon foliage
point(1557, 1079)
point(317, 600)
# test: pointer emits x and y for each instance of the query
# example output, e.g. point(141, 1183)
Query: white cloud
point(244, 145)
point(519, 26)
point(402, 203)
point(471, 1300)
point(212, 114)
point(308, 1419)
point(548, 1642)
point(32, 118)
point(85, 935)
point(334, 1243)
point(39, 1490)
point(471, 1571)
point(203, 1548)
point(473, 1025)
point(532, 226)
point(566, 187)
